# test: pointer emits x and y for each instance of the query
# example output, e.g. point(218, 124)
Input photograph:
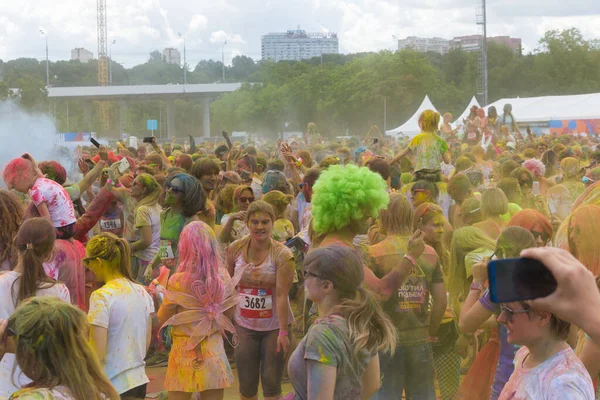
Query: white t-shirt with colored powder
point(123, 307)
point(562, 376)
point(7, 308)
point(57, 200)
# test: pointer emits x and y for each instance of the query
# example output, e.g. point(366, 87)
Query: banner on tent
point(569, 127)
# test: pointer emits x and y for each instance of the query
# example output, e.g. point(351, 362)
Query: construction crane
point(103, 61)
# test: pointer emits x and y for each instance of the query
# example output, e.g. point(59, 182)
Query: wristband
point(476, 286)
point(411, 259)
point(112, 183)
point(283, 333)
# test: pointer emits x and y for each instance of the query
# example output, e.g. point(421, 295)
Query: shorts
point(138, 268)
point(256, 357)
point(135, 393)
point(65, 232)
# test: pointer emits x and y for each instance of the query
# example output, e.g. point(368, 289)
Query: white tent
point(544, 109)
point(411, 127)
point(466, 113)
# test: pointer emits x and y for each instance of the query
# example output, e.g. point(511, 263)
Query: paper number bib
point(110, 224)
point(166, 253)
point(256, 303)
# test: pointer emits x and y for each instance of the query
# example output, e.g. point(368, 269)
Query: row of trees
point(342, 94)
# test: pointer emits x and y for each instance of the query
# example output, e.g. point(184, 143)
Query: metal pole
point(184, 64)
point(223, 59)
point(384, 115)
point(47, 65)
point(485, 71)
point(110, 66)
point(68, 124)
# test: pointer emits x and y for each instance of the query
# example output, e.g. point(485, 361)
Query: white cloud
point(197, 22)
point(221, 36)
point(140, 26)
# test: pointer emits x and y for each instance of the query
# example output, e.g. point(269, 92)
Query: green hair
point(344, 194)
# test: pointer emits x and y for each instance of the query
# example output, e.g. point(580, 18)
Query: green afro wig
point(346, 194)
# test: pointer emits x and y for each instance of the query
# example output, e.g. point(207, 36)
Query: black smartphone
point(518, 279)
point(148, 139)
point(245, 175)
point(95, 142)
point(298, 244)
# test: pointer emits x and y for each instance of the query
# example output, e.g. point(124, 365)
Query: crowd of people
point(355, 269)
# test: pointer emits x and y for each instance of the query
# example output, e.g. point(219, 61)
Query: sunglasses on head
point(174, 188)
point(246, 199)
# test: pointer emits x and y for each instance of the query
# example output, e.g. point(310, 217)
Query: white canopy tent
point(544, 109)
point(466, 113)
point(411, 127)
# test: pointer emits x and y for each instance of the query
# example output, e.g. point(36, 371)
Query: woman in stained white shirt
point(34, 243)
point(119, 315)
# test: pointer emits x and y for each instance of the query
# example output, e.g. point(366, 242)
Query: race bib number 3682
point(256, 303)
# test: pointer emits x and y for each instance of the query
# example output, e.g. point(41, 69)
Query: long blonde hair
point(52, 349)
point(464, 241)
point(369, 326)
point(154, 190)
point(113, 250)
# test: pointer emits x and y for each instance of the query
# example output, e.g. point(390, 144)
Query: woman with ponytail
point(34, 243)
point(119, 315)
point(146, 191)
point(51, 347)
point(200, 287)
point(338, 358)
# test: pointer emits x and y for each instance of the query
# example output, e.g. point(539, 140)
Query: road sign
point(152, 125)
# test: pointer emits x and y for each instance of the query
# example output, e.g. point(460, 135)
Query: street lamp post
point(110, 63)
point(184, 61)
point(47, 64)
point(223, 59)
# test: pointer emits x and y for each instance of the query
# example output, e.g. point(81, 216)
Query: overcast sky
point(140, 26)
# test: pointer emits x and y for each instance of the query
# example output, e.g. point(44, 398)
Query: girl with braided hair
point(34, 243)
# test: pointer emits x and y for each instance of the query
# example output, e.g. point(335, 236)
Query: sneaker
point(158, 359)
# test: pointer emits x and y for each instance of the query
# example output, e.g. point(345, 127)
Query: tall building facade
point(297, 45)
point(82, 55)
point(473, 42)
point(172, 56)
point(423, 45)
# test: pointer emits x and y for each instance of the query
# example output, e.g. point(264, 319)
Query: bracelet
point(411, 259)
point(118, 184)
point(283, 333)
point(476, 286)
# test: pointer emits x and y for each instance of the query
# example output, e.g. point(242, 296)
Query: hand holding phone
point(519, 279)
point(149, 139)
point(95, 142)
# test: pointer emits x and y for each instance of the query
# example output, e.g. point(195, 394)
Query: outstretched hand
point(416, 244)
point(576, 299)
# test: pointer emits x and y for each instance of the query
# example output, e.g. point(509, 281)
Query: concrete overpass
point(167, 93)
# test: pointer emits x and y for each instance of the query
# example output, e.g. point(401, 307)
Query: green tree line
point(343, 94)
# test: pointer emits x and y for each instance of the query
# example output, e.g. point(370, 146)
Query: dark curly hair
point(11, 216)
point(194, 200)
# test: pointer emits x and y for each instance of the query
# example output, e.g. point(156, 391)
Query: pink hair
point(536, 167)
point(20, 169)
point(200, 260)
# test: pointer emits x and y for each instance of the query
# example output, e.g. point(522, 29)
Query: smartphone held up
point(519, 279)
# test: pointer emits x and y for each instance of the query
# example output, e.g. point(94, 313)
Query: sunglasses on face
point(246, 199)
point(175, 189)
point(540, 235)
point(510, 313)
